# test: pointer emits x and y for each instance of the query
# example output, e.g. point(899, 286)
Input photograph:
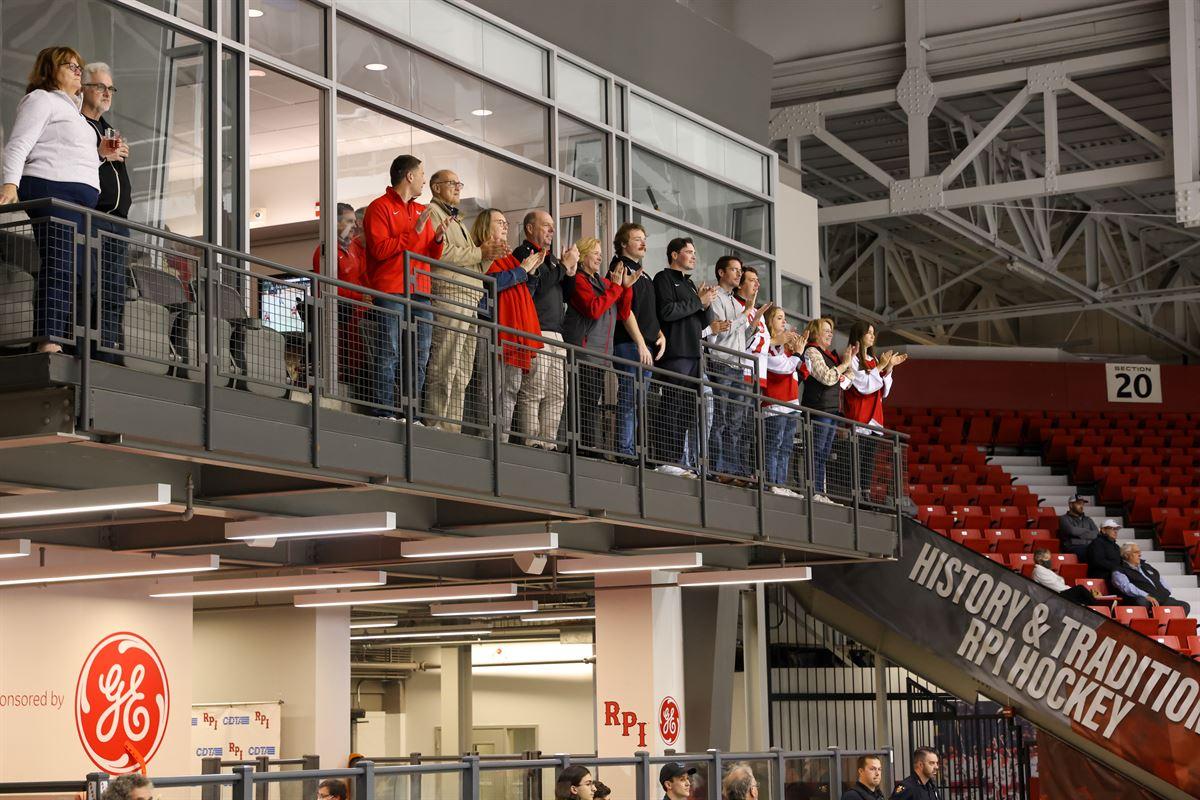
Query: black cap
point(1077, 498)
point(673, 770)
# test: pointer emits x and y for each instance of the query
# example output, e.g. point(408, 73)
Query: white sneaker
point(671, 469)
point(820, 498)
point(418, 423)
point(791, 493)
point(687, 473)
point(779, 490)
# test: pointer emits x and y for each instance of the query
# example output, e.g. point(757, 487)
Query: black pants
point(1163, 600)
point(677, 411)
point(1077, 594)
point(591, 393)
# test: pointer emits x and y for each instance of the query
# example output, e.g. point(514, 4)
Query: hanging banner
point(235, 731)
point(1109, 684)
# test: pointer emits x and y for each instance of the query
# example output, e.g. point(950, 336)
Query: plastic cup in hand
point(112, 137)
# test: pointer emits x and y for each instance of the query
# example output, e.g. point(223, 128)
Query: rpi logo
point(210, 720)
point(262, 719)
point(627, 720)
point(121, 697)
point(234, 750)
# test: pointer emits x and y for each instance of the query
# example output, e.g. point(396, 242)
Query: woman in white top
point(52, 153)
point(862, 400)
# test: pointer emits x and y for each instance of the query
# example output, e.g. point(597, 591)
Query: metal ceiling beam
point(1185, 110)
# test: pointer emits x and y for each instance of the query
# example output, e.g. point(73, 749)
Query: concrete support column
point(754, 664)
point(710, 618)
point(457, 716)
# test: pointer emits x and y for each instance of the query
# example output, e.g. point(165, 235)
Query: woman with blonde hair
point(52, 153)
point(828, 374)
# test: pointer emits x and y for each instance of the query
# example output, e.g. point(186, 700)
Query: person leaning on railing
point(828, 374)
point(514, 309)
point(350, 267)
point(52, 154)
point(862, 401)
point(780, 371)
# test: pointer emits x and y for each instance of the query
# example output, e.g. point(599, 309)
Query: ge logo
point(669, 720)
point(121, 697)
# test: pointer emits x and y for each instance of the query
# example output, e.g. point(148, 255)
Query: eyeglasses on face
point(100, 87)
point(78, 70)
point(456, 184)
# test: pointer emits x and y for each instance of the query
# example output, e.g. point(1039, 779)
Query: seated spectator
point(1103, 555)
point(1140, 584)
point(514, 309)
point(1076, 530)
point(780, 370)
point(349, 314)
point(863, 399)
point(1045, 576)
point(594, 307)
point(828, 374)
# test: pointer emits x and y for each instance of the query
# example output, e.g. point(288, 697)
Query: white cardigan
point(51, 140)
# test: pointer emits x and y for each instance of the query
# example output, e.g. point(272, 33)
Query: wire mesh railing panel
point(673, 417)
point(20, 262)
point(269, 320)
point(835, 465)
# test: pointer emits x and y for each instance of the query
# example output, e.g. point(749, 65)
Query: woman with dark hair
point(828, 373)
point(52, 153)
point(574, 783)
point(863, 397)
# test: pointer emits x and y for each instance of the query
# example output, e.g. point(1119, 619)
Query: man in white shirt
point(1042, 574)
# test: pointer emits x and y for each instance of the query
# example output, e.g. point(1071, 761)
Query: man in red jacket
point(395, 223)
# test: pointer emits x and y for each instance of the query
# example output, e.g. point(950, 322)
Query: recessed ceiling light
point(746, 576)
point(512, 608)
point(596, 564)
point(374, 622)
point(444, 547)
point(256, 73)
point(14, 548)
point(310, 527)
point(254, 13)
point(48, 504)
point(376, 67)
point(279, 583)
point(423, 633)
point(560, 616)
point(482, 112)
point(423, 594)
point(125, 568)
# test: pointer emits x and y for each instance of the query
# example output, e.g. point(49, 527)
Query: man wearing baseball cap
point(675, 778)
point(1103, 555)
point(1075, 529)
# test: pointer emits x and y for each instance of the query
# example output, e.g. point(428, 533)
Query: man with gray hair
point(1140, 584)
point(133, 786)
point(739, 783)
point(115, 198)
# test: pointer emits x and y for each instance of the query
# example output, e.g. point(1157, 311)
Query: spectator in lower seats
point(683, 311)
point(863, 398)
point(452, 344)
point(396, 223)
point(51, 153)
point(1140, 584)
point(629, 246)
point(780, 371)
point(332, 789)
point(1045, 576)
point(514, 309)
point(1103, 555)
point(870, 773)
point(1076, 530)
point(596, 304)
point(574, 783)
point(739, 783)
point(350, 313)
point(116, 194)
point(828, 374)
point(540, 404)
point(134, 786)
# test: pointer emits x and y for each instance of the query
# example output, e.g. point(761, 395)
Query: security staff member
point(870, 773)
point(920, 785)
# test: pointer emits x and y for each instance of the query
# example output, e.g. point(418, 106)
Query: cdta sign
point(122, 697)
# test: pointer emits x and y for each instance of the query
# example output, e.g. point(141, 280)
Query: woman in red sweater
point(779, 372)
point(514, 309)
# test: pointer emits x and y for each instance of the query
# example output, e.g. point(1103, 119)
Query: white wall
point(300, 656)
point(797, 235)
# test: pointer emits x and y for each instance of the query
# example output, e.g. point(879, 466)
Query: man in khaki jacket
point(452, 353)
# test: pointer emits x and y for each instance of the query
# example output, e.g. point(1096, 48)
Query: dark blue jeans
point(627, 398)
point(62, 260)
point(113, 284)
point(729, 434)
point(390, 346)
point(823, 433)
point(779, 433)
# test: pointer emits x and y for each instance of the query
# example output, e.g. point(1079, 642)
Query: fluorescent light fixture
point(565, 615)
point(375, 67)
point(254, 13)
point(275, 583)
point(479, 545)
point(484, 609)
point(374, 622)
point(307, 527)
point(257, 73)
point(139, 567)
point(48, 504)
point(423, 633)
point(424, 594)
point(482, 112)
point(14, 548)
point(594, 564)
point(743, 576)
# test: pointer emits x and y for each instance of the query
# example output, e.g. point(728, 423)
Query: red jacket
point(389, 229)
point(867, 407)
point(349, 269)
point(515, 309)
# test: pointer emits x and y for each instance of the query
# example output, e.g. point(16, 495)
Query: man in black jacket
point(115, 198)
point(1103, 555)
point(1140, 584)
point(870, 773)
point(684, 316)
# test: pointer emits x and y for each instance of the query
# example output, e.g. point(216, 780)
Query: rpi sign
point(670, 719)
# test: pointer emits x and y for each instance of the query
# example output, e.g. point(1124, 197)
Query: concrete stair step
point(1015, 461)
point(1025, 472)
point(1045, 481)
point(1181, 582)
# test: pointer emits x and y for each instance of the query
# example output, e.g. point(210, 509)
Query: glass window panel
point(292, 30)
point(190, 10)
point(161, 77)
point(368, 142)
point(621, 107)
point(451, 31)
point(689, 196)
point(229, 25)
point(705, 148)
point(620, 151)
point(581, 215)
point(659, 233)
point(374, 64)
point(389, 15)
point(580, 91)
point(285, 169)
point(582, 151)
point(231, 201)
point(513, 61)
point(797, 298)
